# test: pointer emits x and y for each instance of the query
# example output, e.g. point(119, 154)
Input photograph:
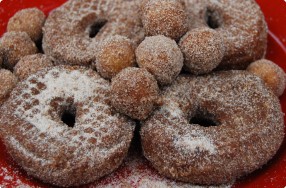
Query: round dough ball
point(203, 50)
point(30, 20)
point(30, 64)
point(8, 82)
point(166, 17)
point(16, 45)
point(114, 54)
point(162, 57)
point(273, 75)
point(134, 92)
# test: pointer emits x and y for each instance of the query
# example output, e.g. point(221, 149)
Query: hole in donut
point(95, 28)
point(204, 121)
point(213, 18)
point(68, 117)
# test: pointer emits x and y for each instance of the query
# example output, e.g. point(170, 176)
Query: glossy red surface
point(271, 175)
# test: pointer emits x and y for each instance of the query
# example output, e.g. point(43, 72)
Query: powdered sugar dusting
point(64, 85)
point(240, 23)
point(45, 146)
point(11, 178)
point(136, 172)
point(192, 144)
point(66, 32)
point(248, 128)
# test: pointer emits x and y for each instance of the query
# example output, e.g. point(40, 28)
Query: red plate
point(136, 171)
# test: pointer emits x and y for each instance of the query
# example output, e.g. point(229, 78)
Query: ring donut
point(213, 129)
point(37, 134)
point(240, 23)
point(72, 31)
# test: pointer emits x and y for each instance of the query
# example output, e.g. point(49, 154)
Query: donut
point(59, 127)
point(203, 50)
point(213, 129)
point(30, 20)
point(161, 56)
point(134, 92)
point(273, 75)
point(114, 54)
point(8, 82)
point(167, 18)
point(30, 64)
point(73, 31)
point(240, 23)
point(16, 45)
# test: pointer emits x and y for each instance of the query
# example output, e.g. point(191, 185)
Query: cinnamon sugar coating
point(134, 92)
point(213, 129)
point(114, 54)
point(273, 75)
point(161, 56)
point(30, 64)
point(39, 140)
point(203, 50)
point(166, 17)
point(240, 23)
point(16, 45)
point(8, 82)
point(30, 20)
point(73, 31)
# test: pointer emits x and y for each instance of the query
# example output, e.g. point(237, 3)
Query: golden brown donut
point(203, 50)
point(30, 20)
point(35, 130)
point(8, 82)
point(134, 92)
point(161, 56)
point(213, 129)
point(273, 75)
point(16, 45)
point(114, 54)
point(30, 64)
point(240, 23)
point(167, 18)
point(73, 31)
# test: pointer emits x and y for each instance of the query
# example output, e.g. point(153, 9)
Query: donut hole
point(96, 27)
point(68, 116)
point(213, 18)
point(204, 120)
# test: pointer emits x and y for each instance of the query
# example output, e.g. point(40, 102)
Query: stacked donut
point(93, 67)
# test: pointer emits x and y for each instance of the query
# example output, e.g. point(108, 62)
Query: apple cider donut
point(134, 92)
point(8, 82)
point(30, 64)
point(114, 54)
point(59, 127)
point(203, 50)
point(167, 17)
point(30, 20)
point(213, 129)
point(273, 75)
point(16, 45)
point(240, 23)
point(161, 56)
point(73, 31)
